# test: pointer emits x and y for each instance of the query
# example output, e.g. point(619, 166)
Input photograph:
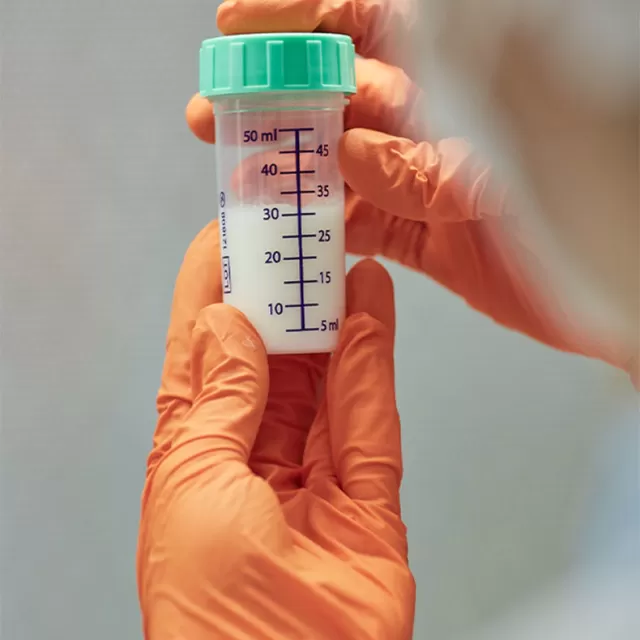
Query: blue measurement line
point(301, 305)
point(299, 236)
point(303, 320)
point(295, 235)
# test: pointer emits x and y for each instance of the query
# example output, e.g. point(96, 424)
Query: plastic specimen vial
point(279, 101)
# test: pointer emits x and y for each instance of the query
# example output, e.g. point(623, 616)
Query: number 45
point(323, 150)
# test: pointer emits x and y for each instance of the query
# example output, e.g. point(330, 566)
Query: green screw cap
point(277, 62)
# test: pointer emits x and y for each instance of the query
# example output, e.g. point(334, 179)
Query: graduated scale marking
point(298, 192)
point(292, 184)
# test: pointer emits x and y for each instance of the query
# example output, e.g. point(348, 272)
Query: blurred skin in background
point(551, 92)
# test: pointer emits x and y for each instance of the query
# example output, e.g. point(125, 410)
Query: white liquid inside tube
point(289, 284)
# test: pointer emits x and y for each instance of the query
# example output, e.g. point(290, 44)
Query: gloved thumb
point(230, 383)
point(363, 419)
point(443, 182)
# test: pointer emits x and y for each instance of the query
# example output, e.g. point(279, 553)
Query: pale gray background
point(103, 187)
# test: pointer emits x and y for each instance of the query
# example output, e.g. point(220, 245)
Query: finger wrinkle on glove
point(427, 182)
point(226, 348)
point(230, 383)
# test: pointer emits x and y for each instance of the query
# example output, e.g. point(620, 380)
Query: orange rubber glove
point(431, 207)
point(271, 507)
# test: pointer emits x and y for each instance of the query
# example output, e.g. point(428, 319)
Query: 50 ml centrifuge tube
point(279, 102)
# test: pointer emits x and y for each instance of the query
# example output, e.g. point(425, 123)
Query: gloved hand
point(433, 207)
point(271, 506)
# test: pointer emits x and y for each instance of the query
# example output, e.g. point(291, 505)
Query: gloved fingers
point(363, 418)
point(386, 100)
point(467, 258)
point(431, 249)
point(434, 183)
point(230, 383)
point(403, 197)
point(369, 290)
point(292, 405)
point(379, 28)
point(362, 294)
point(199, 284)
point(374, 232)
point(319, 470)
point(200, 119)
